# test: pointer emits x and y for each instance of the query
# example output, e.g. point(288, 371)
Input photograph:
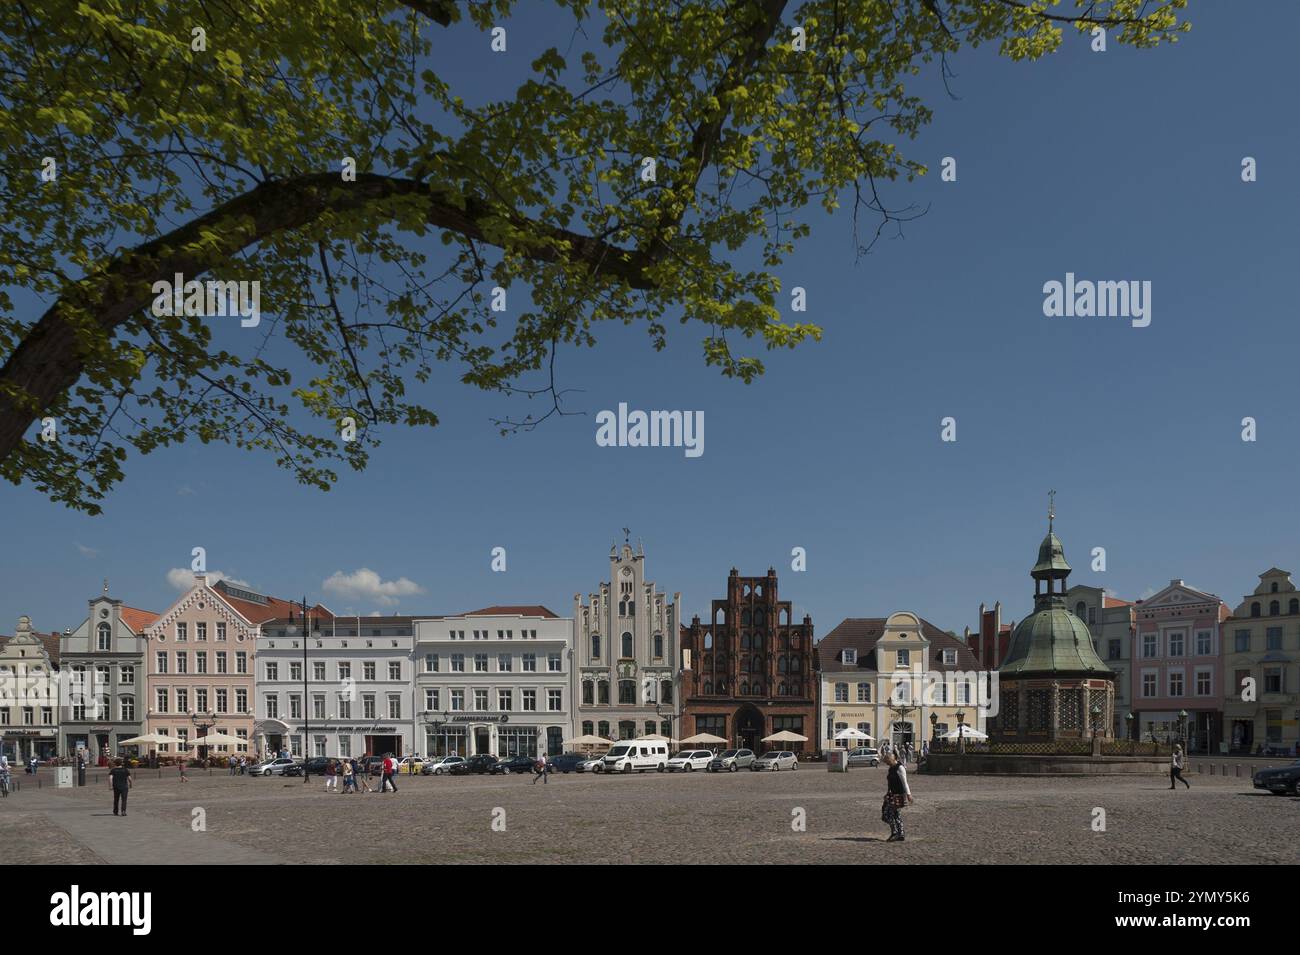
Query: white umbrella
point(148, 739)
point(217, 739)
point(850, 733)
point(588, 740)
point(965, 732)
point(785, 736)
point(703, 738)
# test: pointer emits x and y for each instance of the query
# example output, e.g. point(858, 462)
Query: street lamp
point(1128, 721)
point(934, 728)
point(1182, 728)
point(961, 731)
point(203, 722)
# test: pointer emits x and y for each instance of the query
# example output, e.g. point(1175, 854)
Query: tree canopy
point(144, 139)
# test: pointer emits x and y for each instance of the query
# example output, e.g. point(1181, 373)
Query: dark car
point(513, 764)
point(474, 766)
point(567, 762)
point(316, 766)
point(1280, 781)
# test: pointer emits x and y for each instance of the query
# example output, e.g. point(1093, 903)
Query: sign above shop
point(481, 718)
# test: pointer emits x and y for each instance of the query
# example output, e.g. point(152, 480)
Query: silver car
point(775, 761)
point(864, 756)
point(732, 760)
point(275, 767)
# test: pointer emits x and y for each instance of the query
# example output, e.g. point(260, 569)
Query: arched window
point(758, 689)
point(744, 618)
point(622, 608)
point(1274, 608)
point(744, 640)
point(744, 689)
point(595, 646)
point(758, 664)
point(1080, 610)
point(104, 637)
point(708, 641)
point(719, 617)
point(708, 687)
point(781, 689)
point(1254, 609)
point(782, 665)
point(604, 729)
point(1274, 588)
point(126, 706)
point(627, 646)
point(722, 686)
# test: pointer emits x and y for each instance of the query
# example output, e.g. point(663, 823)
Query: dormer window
point(849, 656)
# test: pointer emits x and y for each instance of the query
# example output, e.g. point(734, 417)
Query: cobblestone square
point(676, 818)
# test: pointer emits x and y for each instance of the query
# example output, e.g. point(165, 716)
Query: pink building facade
point(1177, 666)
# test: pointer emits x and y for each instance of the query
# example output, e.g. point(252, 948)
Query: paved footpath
point(81, 819)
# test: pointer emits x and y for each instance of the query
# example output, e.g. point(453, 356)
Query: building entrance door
point(902, 734)
point(749, 727)
point(482, 740)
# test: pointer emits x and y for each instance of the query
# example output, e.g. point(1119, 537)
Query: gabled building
point(990, 642)
point(1261, 643)
point(200, 663)
point(29, 694)
point(104, 662)
point(1177, 667)
point(751, 670)
point(625, 638)
point(899, 679)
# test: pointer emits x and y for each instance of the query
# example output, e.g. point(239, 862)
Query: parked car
point(567, 763)
point(1276, 749)
point(441, 767)
point(688, 760)
point(473, 765)
point(636, 754)
point(280, 766)
point(1279, 781)
point(316, 765)
point(513, 764)
point(594, 765)
point(864, 756)
point(410, 764)
point(775, 761)
point(731, 760)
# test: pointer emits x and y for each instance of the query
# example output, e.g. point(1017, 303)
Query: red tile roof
point(1115, 602)
point(136, 619)
point(521, 611)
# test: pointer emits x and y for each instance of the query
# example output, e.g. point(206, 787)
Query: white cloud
point(365, 584)
point(87, 551)
point(182, 578)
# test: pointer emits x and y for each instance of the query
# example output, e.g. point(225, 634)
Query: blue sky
point(1122, 165)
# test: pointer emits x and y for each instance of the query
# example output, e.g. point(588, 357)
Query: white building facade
point(627, 640)
point(341, 690)
point(497, 681)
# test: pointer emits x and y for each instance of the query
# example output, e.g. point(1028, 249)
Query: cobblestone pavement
point(693, 818)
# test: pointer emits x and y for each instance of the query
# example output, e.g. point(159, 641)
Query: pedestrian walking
point(1176, 769)
point(360, 772)
point(542, 770)
point(119, 777)
point(180, 763)
point(349, 780)
point(897, 795)
point(331, 776)
point(389, 773)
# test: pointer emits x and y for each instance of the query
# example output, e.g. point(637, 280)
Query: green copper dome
point(1051, 640)
point(1051, 555)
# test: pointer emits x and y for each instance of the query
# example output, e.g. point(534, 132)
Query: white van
point(636, 754)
